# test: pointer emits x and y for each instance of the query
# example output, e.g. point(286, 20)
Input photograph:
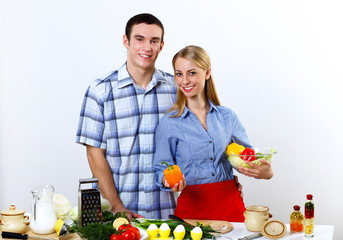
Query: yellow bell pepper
point(234, 148)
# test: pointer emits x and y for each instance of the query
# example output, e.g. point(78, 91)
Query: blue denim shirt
point(199, 153)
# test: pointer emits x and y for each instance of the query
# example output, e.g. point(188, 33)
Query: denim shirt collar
point(186, 110)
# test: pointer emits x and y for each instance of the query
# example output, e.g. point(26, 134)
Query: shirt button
point(210, 141)
point(211, 158)
point(212, 174)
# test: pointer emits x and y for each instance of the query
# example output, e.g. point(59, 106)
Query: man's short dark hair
point(146, 18)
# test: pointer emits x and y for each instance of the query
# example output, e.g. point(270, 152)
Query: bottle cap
point(296, 207)
point(309, 196)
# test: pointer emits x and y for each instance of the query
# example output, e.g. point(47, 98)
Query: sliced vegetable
point(120, 221)
point(236, 161)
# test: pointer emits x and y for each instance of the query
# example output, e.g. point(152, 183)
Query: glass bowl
point(237, 161)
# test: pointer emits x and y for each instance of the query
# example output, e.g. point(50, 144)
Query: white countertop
point(321, 232)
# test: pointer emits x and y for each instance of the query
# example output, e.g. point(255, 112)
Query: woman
point(194, 135)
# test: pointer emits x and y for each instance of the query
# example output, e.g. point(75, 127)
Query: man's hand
point(130, 215)
point(263, 171)
point(239, 186)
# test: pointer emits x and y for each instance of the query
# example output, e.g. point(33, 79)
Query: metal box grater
point(89, 202)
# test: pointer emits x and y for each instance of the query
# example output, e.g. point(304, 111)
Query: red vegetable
point(115, 236)
point(136, 232)
point(128, 235)
point(249, 154)
point(124, 226)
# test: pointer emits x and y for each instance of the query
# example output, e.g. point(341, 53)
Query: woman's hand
point(178, 187)
point(263, 171)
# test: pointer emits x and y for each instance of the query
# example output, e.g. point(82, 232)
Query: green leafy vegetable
point(97, 231)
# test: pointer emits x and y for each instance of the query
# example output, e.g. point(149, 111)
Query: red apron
point(211, 201)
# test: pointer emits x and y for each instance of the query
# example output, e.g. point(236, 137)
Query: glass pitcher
point(43, 217)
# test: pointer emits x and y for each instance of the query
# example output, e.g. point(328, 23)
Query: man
point(118, 119)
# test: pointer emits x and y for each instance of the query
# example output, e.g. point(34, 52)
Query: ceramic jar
point(13, 220)
point(255, 217)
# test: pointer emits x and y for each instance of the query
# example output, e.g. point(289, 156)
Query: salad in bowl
point(238, 155)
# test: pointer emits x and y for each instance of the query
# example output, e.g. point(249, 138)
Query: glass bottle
point(296, 220)
point(309, 216)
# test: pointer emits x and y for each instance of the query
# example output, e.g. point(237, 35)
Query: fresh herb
point(206, 229)
point(97, 231)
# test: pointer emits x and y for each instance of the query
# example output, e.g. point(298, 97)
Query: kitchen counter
point(321, 232)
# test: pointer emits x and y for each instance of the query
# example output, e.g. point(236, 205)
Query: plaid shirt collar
point(124, 78)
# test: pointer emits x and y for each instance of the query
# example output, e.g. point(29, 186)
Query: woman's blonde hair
point(201, 58)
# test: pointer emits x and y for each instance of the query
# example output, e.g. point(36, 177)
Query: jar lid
point(309, 196)
point(12, 211)
point(296, 207)
point(274, 229)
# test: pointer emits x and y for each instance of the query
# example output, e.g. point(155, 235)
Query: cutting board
point(73, 236)
point(220, 226)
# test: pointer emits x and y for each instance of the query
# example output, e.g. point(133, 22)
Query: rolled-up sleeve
point(238, 134)
point(166, 143)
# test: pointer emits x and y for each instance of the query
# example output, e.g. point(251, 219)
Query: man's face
point(144, 45)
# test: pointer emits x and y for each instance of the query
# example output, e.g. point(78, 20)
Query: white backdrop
point(278, 64)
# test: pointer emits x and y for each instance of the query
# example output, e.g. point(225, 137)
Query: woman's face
point(190, 78)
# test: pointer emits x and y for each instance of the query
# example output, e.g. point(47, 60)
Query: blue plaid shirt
point(198, 152)
point(121, 117)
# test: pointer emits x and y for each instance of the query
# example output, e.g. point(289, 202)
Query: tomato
point(115, 236)
point(128, 235)
point(249, 154)
point(124, 226)
point(136, 232)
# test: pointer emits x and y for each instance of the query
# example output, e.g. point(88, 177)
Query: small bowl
point(261, 153)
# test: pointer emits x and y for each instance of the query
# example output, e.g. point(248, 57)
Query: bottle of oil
point(296, 220)
point(309, 216)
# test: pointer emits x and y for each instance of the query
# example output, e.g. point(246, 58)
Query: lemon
point(234, 148)
point(120, 221)
point(58, 226)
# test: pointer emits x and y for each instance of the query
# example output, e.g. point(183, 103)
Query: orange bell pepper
point(172, 174)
